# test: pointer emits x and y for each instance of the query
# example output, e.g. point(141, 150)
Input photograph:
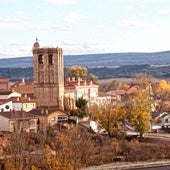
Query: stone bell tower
point(48, 76)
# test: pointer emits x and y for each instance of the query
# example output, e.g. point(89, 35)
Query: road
point(157, 165)
point(165, 136)
point(155, 168)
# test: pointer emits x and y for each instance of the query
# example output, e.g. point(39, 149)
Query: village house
point(26, 89)
point(75, 89)
point(17, 104)
point(49, 117)
point(103, 100)
point(6, 94)
point(165, 119)
point(4, 83)
point(22, 103)
point(6, 105)
point(18, 121)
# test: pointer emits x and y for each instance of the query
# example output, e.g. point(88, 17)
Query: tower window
point(50, 59)
point(40, 59)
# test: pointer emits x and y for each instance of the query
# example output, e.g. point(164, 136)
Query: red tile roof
point(73, 84)
point(22, 99)
point(4, 80)
point(17, 114)
point(5, 92)
point(23, 87)
point(120, 92)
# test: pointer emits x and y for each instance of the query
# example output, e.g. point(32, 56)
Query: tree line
point(16, 74)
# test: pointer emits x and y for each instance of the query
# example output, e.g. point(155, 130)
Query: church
point(48, 76)
point(50, 89)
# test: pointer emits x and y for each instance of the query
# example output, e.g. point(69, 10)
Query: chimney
point(23, 80)
point(91, 83)
point(85, 83)
point(68, 79)
point(78, 81)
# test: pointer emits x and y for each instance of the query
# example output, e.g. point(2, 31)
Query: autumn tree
point(140, 106)
point(162, 94)
point(73, 149)
point(110, 117)
point(93, 78)
point(113, 85)
point(77, 72)
point(116, 85)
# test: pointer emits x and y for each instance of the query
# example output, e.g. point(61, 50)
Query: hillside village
point(37, 117)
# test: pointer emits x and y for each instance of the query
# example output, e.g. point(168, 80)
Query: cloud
point(15, 49)
point(73, 17)
point(10, 20)
point(59, 28)
point(62, 2)
point(83, 47)
point(132, 24)
point(70, 43)
point(48, 28)
point(147, 1)
point(15, 52)
point(164, 11)
point(6, 0)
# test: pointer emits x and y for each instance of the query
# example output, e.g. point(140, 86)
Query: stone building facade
point(75, 89)
point(48, 76)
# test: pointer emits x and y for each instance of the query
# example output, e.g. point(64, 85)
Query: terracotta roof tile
point(23, 87)
point(5, 92)
point(73, 84)
point(17, 114)
point(4, 80)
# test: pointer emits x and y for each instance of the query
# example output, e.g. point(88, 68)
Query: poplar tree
point(140, 106)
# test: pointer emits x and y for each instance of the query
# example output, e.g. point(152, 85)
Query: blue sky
point(84, 26)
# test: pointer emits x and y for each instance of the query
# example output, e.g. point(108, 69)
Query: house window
point(50, 59)
point(40, 59)
point(166, 120)
point(7, 107)
point(62, 118)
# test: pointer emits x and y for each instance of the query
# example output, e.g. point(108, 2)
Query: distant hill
point(98, 60)
point(105, 66)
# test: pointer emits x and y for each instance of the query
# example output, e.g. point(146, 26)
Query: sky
point(84, 26)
